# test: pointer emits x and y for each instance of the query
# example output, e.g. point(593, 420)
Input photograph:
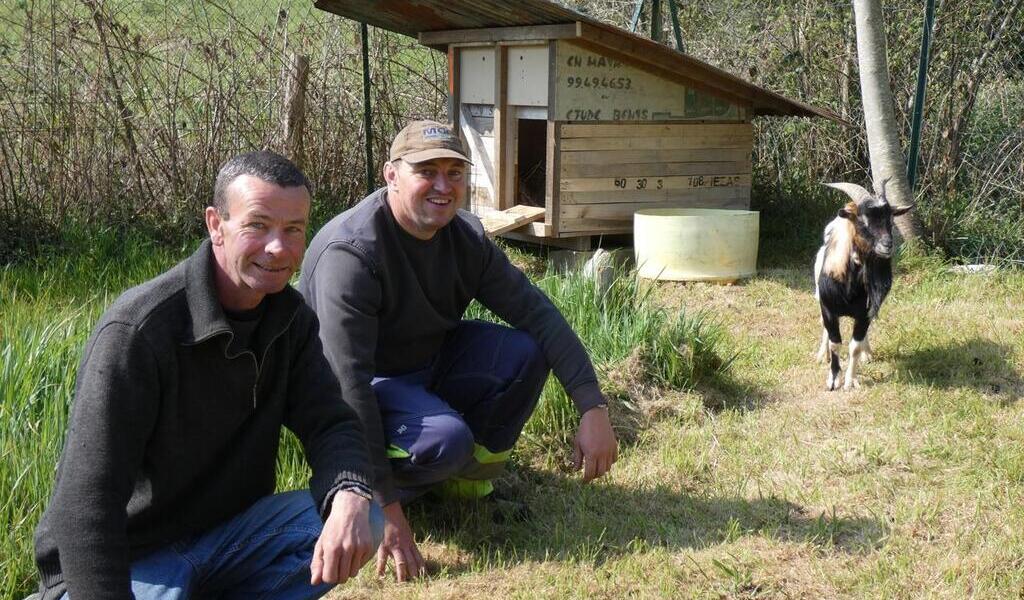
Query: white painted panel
point(476, 75)
point(528, 75)
point(593, 87)
point(536, 113)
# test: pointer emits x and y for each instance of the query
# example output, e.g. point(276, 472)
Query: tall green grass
point(621, 327)
point(47, 308)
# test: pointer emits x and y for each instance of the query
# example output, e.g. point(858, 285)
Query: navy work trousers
point(455, 422)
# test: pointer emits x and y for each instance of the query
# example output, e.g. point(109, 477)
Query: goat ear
point(901, 210)
point(845, 214)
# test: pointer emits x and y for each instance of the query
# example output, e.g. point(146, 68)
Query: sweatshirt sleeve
point(329, 429)
point(346, 296)
point(507, 292)
point(114, 410)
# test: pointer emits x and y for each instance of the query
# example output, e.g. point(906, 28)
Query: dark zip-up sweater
point(173, 430)
point(386, 300)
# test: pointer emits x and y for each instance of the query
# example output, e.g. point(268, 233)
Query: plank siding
point(613, 187)
point(618, 218)
point(619, 157)
point(687, 198)
point(684, 142)
point(609, 171)
point(574, 130)
point(657, 169)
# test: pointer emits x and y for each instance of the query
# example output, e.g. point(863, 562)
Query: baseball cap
point(425, 140)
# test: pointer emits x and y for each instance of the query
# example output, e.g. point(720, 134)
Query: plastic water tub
point(696, 244)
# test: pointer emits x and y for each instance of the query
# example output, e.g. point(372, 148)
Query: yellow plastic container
point(696, 244)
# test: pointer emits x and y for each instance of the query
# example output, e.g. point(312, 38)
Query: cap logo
point(436, 133)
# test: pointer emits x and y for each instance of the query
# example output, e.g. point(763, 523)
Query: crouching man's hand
point(345, 543)
point(595, 447)
point(399, 544)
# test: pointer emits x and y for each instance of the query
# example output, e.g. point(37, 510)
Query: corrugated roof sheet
point(413, 17)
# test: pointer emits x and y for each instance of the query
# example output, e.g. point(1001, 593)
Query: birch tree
point(887, 161)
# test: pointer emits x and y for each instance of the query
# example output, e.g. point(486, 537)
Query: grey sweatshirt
point(386, 300)
point(173, 432)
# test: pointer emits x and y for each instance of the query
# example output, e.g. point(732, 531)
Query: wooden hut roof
point(439, 22)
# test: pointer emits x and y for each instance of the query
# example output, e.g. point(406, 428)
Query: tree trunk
point(887, 161)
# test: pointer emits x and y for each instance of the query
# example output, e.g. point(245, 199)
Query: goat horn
point(854, 191)
point(880, 192)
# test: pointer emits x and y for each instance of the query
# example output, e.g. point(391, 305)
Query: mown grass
point(908, 487)
point(48, 306)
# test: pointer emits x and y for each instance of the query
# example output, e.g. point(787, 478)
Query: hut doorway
point(531, 161)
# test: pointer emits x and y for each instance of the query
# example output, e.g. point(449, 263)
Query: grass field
point(769, 487)
point(738, 476)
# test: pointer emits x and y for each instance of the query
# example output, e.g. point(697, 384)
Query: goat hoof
point(851, 385)
point(831, 383)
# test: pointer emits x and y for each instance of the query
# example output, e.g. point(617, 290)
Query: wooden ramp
point(500, 221)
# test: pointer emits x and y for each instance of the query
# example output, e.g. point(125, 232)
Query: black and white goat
point(853, 274)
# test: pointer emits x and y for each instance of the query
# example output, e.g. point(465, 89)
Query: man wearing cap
point(442, 399)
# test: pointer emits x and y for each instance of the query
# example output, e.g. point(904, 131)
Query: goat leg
point(866, 353)
point(858, 348)
point(851, 369)
point(823, 349)
point(835, 340)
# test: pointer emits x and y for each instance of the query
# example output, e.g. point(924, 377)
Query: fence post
point(294, 118)
point(922, 80)
point(674, 12)
point(364, 35)
point(656, 23)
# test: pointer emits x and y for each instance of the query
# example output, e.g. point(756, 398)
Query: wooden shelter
point(575, 124)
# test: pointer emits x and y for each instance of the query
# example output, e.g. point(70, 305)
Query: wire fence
point(119, 112)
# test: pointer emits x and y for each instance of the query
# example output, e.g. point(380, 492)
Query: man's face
point(424, 196)
point(260, 243)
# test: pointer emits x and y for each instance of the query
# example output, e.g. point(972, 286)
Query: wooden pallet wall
point(606, 172)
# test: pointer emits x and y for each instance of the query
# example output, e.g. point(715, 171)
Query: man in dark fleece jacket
point(442, 399)
point(165, 488)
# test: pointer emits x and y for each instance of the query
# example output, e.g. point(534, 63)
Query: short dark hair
point(264, 164)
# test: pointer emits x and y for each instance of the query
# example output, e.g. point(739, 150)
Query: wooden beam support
point(501, 221)
point(553, 146)
point(502, 195)
point(532, 33)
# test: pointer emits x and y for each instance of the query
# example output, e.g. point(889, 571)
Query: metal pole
point(636, 16)
point(674, 12)
point(922, 77)
point(367, 114)
point(656, 24)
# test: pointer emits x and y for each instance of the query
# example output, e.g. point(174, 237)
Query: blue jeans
point(262, 553)
point(456, 421)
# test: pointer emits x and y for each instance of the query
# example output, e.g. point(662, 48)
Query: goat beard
point(878, 277)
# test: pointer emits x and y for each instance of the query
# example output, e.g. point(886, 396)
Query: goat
point(853, 275)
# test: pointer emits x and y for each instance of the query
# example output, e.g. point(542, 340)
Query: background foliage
point(118, 113)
